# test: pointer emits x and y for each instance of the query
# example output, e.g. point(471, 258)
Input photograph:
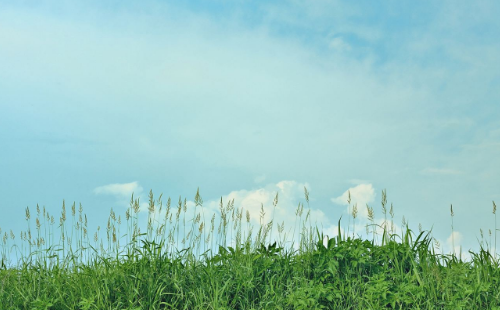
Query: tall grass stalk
point(452, 231)
point(495, 214)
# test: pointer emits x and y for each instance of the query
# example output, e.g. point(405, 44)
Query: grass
point(222, 263)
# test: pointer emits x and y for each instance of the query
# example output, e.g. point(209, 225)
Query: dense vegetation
point(399, 271)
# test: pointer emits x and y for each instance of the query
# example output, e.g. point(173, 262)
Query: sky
point(247, 99)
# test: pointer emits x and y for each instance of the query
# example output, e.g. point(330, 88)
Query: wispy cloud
point(259, 179)
point(442, 171)
point(121, 190)
point(269, 90)
point(338, 44)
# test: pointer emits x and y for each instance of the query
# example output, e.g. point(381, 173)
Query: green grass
point(226, 264)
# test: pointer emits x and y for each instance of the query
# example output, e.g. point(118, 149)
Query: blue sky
point(244, 99)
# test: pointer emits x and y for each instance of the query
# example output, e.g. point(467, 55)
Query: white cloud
point(290, 194)
point(437, 171)
point(121, 190)
point(361, 195)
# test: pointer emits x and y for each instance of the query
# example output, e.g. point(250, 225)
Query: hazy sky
point(244, 99)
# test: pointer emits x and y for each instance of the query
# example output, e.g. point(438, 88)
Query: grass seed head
point(197, 198)
point(262, 212)
point(63, 213)
point(281, 227)
point(151, 207)
point(384, 201)
point(136, 206)
point(437, 245)
point(371, 214)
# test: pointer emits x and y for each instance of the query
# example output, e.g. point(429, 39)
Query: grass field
point(226, 263)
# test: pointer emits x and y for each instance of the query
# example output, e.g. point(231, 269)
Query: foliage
point(401, 272)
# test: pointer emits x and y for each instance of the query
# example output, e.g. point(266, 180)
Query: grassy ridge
point(402, 271)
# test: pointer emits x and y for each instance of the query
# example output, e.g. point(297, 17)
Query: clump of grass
point(180, 263)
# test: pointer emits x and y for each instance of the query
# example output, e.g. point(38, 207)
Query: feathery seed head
point(63, 213)
point(197, 198)
point(371, 215)
point(151, 207)
point(137, 205)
